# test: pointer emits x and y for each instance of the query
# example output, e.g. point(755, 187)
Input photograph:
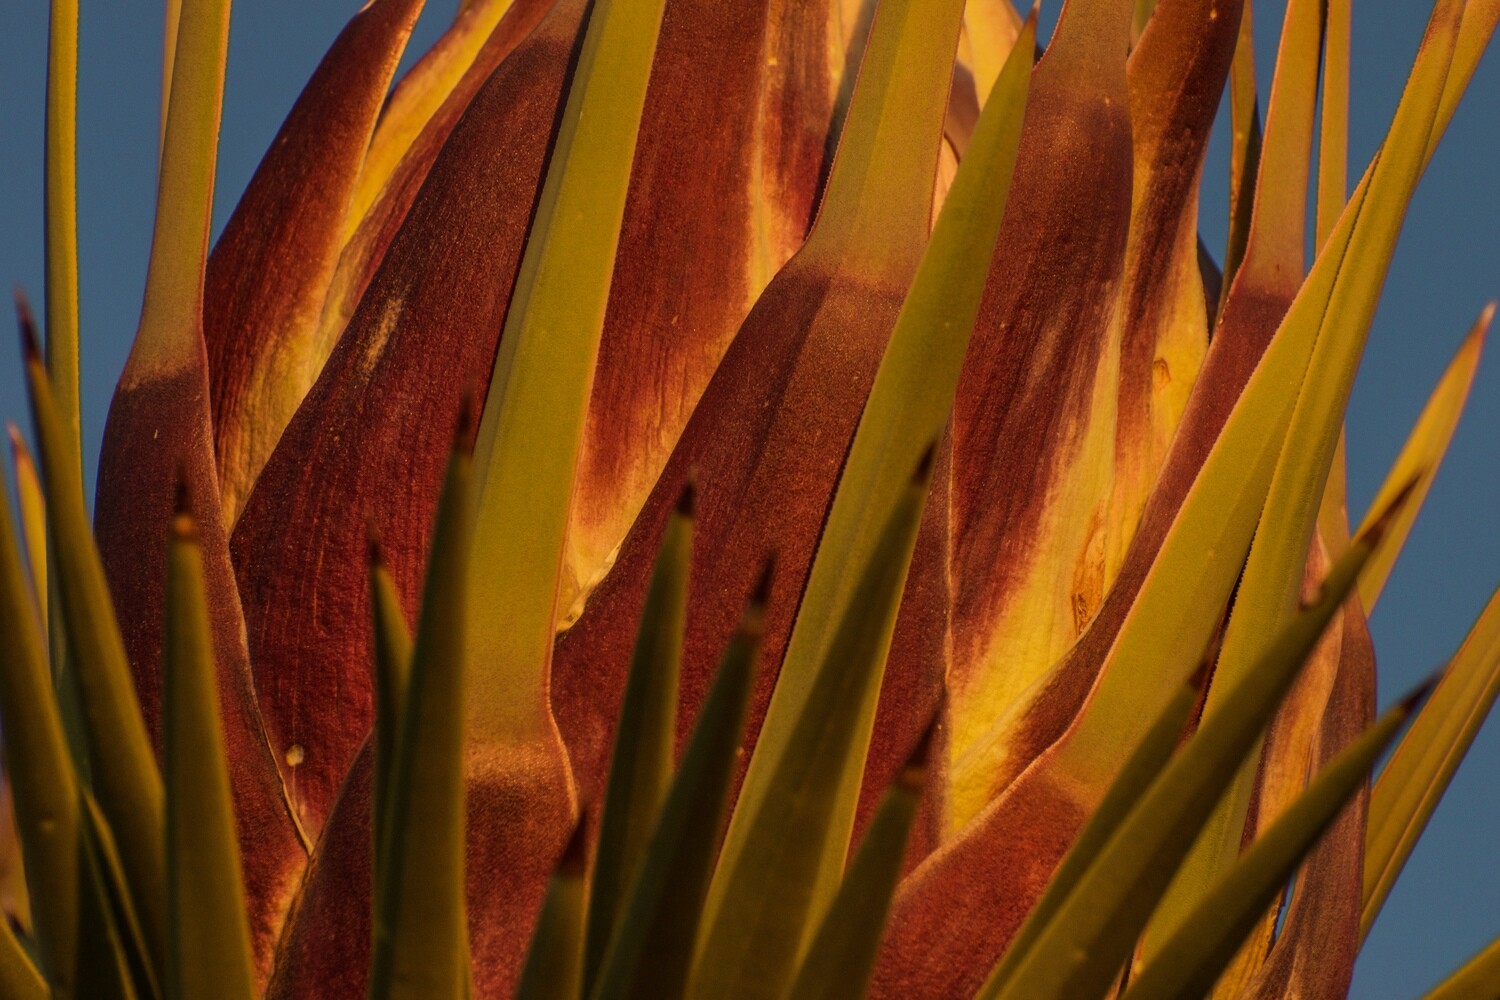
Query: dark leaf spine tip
point(1414, 698)
point(761, 595)
point(374, 551)
point(184, 526)
point(575, 856)
point(17, 443)
point(914, 772)
point(1198, 680)
point(687, 497)
point(1382, 523)
point(924, 464)
point(30, 348)
point(467, 424)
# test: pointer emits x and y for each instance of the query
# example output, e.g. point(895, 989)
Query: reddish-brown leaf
point(353, 455)
point(268, 273)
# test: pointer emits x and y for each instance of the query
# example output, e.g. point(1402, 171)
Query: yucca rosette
point(745, 498)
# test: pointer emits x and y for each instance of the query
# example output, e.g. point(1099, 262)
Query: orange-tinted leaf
point(1035, 549)
point(378, 223)
point(420, 95)
point(722, 190)
point(766, 465)
point(268, 273)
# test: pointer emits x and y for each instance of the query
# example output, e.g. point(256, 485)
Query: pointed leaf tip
point(575, 856)
point(374, 550)
point(923, 471)
point(761, 595)
point(30, 349)
point(688, 497)
point(467, 424)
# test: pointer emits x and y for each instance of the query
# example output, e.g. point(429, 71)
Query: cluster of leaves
point(1060, 675)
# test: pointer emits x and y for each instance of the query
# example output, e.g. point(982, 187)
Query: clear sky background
point(1447, 903)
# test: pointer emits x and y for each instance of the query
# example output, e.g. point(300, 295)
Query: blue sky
point(1447, 904)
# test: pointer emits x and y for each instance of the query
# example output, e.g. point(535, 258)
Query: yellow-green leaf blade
point(907, 409)
point(38, 768)
point(1421, 455)
point(641, 767)
point(123, 767)
point(652, 946)
point(1419, 770)
point(533, 419)
point(1090, 938)
point(1269, 588)
point(209, 949)
point(1475, 980)
point(841, 955)
point(1190, 961)
point(62, 215)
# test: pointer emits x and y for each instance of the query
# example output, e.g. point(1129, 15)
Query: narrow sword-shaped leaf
point(1423, 453)
point(267, 275)
point(61, 209)
point(1475, 980)
point(1140, 769)
point(1424, 761)
point(1333, 121)
point(907, 409)
point(352, 459)
point(421, 937)
point(766, 466)
point(768, 904)
point(1190, 961)
point(120, 965)
point(124, 771)
point(1082, 949)
point(159, 432)
point(418, 97)
point(208, 950)
point(392, 674)
point(18, 976)
point(641, 765)
point(841, 954)
point(1270, 585)
point(40, 774)
point(554, 963)
point(33, 516)
point(1244, 150)
point(650, 953)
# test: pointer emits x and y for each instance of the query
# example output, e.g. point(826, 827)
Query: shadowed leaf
point(1190, 961)
point(641, 765)
point(554, 963)
point(421, 937)
point(840, 955)
point(40, 776)
point(768, 904)
point(209, 946)
point(649, 954)
point(124, 771)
